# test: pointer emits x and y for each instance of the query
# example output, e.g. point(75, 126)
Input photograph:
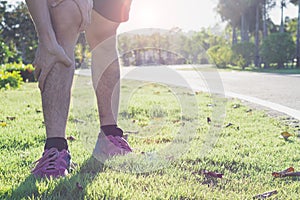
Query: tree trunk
point(256, 60)
point(234, 36)
point(243, 27)
point(298, 37)
point(281, 30)
point(265, 26)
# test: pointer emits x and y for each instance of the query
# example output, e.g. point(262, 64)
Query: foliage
point(243, 54)
point(18, 31)
point(278, 48)
point(221, 56)
point(167, 47)
point(26, 71)
point(10, 80)
point(6, 54)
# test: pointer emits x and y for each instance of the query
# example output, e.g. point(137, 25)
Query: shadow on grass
point(71, 187)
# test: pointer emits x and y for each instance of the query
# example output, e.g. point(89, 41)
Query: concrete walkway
point(274, 91)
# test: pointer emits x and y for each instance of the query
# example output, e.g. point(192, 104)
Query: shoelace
point(49, 158)
point(120, 142)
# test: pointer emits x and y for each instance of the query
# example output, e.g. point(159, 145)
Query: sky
point(185, 14)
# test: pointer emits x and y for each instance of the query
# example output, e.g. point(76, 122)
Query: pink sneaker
point(52, 163)
point(109, 146)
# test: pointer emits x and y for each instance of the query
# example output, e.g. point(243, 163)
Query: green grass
point(169, 121)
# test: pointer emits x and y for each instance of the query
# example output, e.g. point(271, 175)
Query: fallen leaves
point(235, 106)
point(3, 124)
point(71, 138)
point(208, 120)
point(229, 124)
point(11, 118)
point(249, 110)
point(286, 135)
point(38, 111)
point(211, 174)
point(265, 195)
point(285, 173)
point(79, 186)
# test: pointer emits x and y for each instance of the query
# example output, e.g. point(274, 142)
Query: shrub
point(26, 71)
point(10, 80)
point(220, 55)
point(5, 52)
point(278, 48)
point(243, 54)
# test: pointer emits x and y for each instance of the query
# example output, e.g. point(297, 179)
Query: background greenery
point(249, 39)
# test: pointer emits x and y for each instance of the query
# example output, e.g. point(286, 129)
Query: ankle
point(113, 130)
point(59, 143)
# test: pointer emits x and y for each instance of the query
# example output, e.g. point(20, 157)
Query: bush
point(243, 54)
point(278, 48)
point(221, 56)
point(10, 80)
point(6, 53)
point(26, 71)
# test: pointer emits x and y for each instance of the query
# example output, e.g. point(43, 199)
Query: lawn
point(173, 145)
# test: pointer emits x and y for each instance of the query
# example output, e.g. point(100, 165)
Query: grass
point(169, 125)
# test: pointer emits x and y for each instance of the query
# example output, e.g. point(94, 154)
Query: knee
point(66, 19)
point(101, 30)
point(102, 37)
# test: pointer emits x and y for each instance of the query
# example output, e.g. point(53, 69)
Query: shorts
point(114, 10)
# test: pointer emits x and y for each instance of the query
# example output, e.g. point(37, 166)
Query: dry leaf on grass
point(228, 125)
point(11, 118)
point(212, 174)
point(208, 120)
point(235, 106)
point(286, 135)
point(79, 186)
point(265, 195)
point(71, 138)
point(283, 173)
point(3, 124)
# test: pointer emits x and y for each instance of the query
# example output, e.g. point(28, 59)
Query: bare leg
point(66, 19)
point(101, 36)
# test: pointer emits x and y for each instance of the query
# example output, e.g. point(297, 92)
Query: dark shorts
point(114, 10)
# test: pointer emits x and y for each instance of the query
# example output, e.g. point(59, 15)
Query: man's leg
point(101, 36)
point(66, 19)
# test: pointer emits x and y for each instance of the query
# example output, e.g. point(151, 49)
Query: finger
point(37, 70)
point(43, 76)
point(64, 59)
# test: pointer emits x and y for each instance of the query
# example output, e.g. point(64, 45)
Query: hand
point(85, 7)
point(45, 58)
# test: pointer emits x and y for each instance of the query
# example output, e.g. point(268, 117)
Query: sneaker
point(53, 163)
point(109, 146)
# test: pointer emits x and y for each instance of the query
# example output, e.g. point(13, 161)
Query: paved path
point(275, 91)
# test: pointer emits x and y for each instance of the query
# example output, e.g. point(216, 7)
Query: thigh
point(66, 19)
point(100, 29)
point(114, 10)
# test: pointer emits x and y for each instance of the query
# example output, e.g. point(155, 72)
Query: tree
point(297, 2)
point(18, 31)
point(278, 48)
point(282, 6)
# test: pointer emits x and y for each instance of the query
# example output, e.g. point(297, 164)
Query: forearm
point(41, 17)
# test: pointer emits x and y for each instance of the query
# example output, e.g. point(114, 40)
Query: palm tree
point(282, 5)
